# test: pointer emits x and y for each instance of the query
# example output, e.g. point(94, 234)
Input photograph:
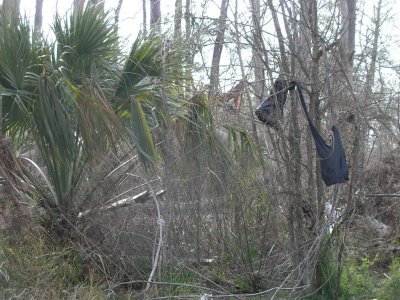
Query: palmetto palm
point(76, 98)
point(79, 98)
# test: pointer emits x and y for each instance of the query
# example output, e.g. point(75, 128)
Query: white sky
point(131, 18)
point(131, 12)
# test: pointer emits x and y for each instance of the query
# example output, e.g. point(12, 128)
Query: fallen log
point(139, 198)
point(382, 195)
point(373, 226)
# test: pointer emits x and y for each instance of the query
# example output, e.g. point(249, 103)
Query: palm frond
point(141, 135)
point(75, 97)
point(201, 140)
point(19, 57)
point(142, 63)
point(55, 136)
point(242, 145)
point(87, 43)
point(16, 54)
point(96, 118)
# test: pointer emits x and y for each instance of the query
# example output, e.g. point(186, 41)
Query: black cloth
point(270, 112)
point(332, 157)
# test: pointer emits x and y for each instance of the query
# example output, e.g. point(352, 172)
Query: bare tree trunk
point(218, 45)
point(39, 15)
point(309, 39)
point(189, 43)
point(259, 75)
point(360, 124)
point(178, 19)
point(347, 49)
point(348, 11)
point(144, 18)
point(360, 130)
point(309, 36)
point(261, 83)
point(346, 46)
point(155, 14)
point(293, 152)
point(281, 40)
point(239, 52)
point(374, 52)
point(187, 20)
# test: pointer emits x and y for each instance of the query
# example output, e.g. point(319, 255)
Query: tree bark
point(155, 14)
point(257, 61)
point(293, 155)
point(374, 50)
point(309, 39)
point(38, 15)
point(281, 40)
point(189, 43)
point(348, 13)
point(218, 45)
point(347, 49)
point(144, 13)
point(187, 20)
point(178, 19)
point(243, 81)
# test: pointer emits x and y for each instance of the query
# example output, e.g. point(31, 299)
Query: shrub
point(390, 288)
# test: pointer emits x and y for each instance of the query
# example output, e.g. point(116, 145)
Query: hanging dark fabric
point(332, 157)
point(270, 112)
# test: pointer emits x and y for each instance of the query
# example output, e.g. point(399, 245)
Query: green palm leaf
point(87, 43)
point(143, 63)
point(95, 117)
point(242, 145)
point(142, 135)
point(135, 87)
point(78, 98)
point(18, 57)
